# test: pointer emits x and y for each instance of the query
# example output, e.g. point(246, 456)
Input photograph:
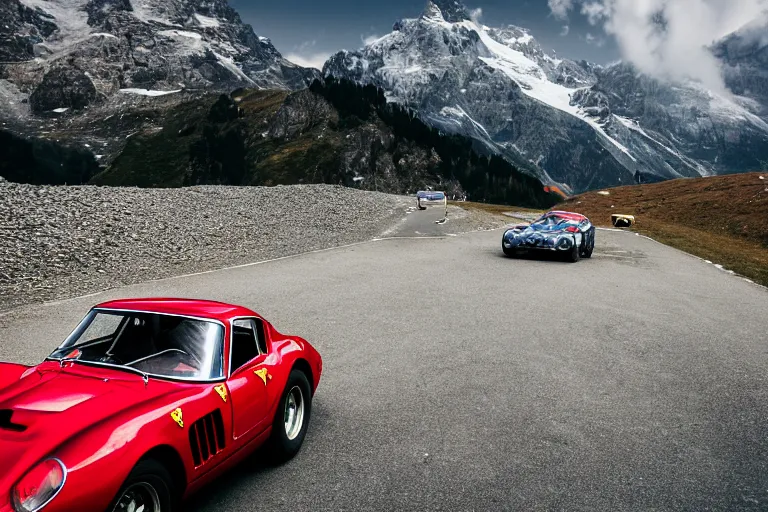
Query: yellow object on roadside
point(622, 221)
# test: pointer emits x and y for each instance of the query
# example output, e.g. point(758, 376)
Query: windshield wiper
point(144, 376)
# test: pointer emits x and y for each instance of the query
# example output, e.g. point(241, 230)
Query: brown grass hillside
point(723, 219)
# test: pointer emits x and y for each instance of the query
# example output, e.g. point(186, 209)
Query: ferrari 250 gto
point(568, 233)
point(147, 401)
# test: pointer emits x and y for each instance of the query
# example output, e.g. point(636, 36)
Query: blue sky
point(307, 31)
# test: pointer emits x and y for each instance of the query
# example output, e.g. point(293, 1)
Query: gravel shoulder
point(57, 242)
point(60, 242)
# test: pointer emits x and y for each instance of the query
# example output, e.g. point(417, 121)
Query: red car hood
point(50, 405)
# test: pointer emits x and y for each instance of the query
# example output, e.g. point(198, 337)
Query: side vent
point(7, 424)
point(206, 437)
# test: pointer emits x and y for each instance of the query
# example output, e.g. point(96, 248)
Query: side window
point(261, 335)
point(244, 346)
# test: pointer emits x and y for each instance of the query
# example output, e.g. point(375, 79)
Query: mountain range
point(577, 124)
point(68, 65)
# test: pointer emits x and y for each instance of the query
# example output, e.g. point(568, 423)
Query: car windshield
point(154, 344)
point(549, 221)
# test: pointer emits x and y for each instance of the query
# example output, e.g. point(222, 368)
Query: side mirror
point(623, 221)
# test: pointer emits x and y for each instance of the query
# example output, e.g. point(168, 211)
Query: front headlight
point(39, 486)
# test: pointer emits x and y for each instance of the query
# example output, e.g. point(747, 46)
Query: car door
point(250, 382)
point(246, 386)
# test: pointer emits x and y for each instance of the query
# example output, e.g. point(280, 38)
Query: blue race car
point(567, 233)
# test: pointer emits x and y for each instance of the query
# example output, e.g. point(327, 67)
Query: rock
point(63, 87)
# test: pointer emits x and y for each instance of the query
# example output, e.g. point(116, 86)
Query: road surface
point(457, 379)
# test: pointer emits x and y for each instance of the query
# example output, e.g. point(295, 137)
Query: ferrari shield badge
point(222, 391)
point(178, 417)
point(263, 373)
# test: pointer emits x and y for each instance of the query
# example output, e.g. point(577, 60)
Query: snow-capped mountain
point(68, 54)
point(573, 123)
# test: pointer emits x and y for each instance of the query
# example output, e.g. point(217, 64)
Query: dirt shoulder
point(723, 219)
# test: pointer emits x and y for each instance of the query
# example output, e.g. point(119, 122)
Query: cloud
point(560, 8)
point(595, 40)
point(566, 30)
point(667, 39)
point(307, 56)
point(476, 14)
point(313, 60)
point(369, 39)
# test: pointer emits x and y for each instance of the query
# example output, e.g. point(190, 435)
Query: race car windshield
point(154, 344)
point(551, 220)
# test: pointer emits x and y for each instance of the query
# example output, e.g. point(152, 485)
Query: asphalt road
point(457, 379)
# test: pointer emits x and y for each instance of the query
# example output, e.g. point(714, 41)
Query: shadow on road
point(538, 256)
point(246, 473)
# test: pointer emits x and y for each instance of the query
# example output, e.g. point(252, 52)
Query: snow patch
point(207, 22)
point(635, 126)
point(60, 110)
point(103, 34)
point(534, 82)
point(230, 65)
point(459, 112)
point(180, 33)
point(147, 11)
point(147, 92)
point(69, 16)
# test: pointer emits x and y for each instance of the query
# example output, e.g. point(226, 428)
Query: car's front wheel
point(149, 487)
point(509, 252)
point(574, 254)
point(589, 244)
point(292, 418)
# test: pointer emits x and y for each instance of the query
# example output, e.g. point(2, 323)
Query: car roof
point(189, 307)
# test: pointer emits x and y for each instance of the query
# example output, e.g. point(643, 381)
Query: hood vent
point(206, 437)
point(7, 424)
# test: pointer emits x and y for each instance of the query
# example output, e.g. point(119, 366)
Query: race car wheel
point(509, 252)
point(589, 245)
point(292, 418)
point(573, 254)
point(149, 487)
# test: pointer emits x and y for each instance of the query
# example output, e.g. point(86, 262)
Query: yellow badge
point(222, 391)
point(263, 374)
point(178, 417)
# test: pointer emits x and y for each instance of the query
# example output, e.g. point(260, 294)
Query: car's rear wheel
point(292, 418)
point(149, 487)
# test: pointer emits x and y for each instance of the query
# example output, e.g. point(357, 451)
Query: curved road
point(457, 379)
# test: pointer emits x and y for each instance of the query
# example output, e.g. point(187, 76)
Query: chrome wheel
point(294, 413)
point(139, 497)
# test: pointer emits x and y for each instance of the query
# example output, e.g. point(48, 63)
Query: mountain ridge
point(499, 86)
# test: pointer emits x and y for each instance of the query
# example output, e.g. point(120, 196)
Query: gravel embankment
point(57, 242)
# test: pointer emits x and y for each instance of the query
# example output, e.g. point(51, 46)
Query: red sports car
point(147, 401)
